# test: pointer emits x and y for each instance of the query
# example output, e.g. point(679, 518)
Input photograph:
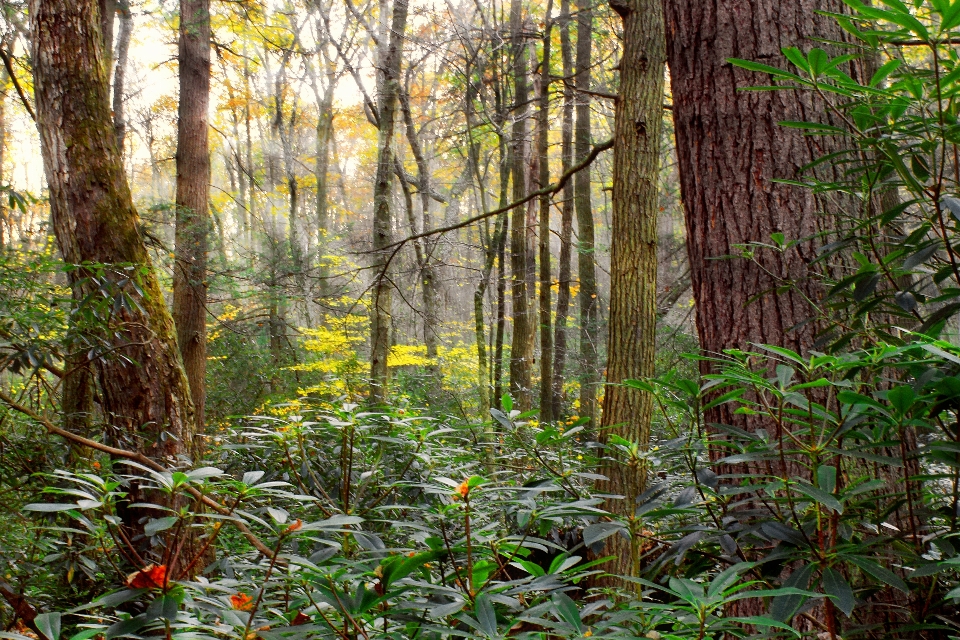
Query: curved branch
point(140, 459)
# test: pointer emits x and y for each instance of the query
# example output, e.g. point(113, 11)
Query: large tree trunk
point(633, 266)
point(389, 89)
point(144, 386)
point(730, 148)
point(566, 216)
point(146, 395)
point(586, 258)
point(193, 191)
point(521, 352)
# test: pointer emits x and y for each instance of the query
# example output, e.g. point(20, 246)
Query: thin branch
point(554, 188)
point(139, 458)
point(16, 84)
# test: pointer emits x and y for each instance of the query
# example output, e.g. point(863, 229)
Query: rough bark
point(521, 352)
point(388, 92)
point(95, 221)
point(631, 345)
point(730, 148)
point(145, 393)
point(566, 216)
point(193, 191)
point(586, 260)
point(543, 180)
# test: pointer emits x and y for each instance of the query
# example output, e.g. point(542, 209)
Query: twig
point(139, 458)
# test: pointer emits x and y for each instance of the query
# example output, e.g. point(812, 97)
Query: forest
point(431, 319)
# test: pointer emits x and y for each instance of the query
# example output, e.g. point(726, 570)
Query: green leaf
point(883, 575)
point(765, 68)
point(600, 531)
point(156, 525)
point(49, 625)
point(835, 585)
point(819, 495)
point(126, 627)
point(901, 398)
point(486, 615)
point(506, 402)
point(883, 72)
point(827, 478)
point(46, 507)
point(567, 611)
point(763, 621)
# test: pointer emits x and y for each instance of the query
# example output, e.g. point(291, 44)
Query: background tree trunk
point(193, 192)
point(120, 73)
point(543, 180)
point(632, 345)
point(521, 352)
point(389, 90)
point(586, 258)
point(566, 215)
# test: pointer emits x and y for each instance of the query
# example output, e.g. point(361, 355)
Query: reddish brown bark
point(731, 148)
point(141, 377)
point(193, 192)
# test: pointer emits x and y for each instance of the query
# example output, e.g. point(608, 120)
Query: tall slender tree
point(193, 193)
point(586, 258)
point(543, 180)
point(388, 96)
point(564, 273)
point(521, 351)
point(633, 263)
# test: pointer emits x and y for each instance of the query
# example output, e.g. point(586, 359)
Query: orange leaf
point(241, 602)
point(150, 577)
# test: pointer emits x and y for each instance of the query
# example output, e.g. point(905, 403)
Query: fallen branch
point(139, 458)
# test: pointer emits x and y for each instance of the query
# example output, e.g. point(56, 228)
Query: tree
point(633, 264)
point(564, 274)
point(193, 193)
point(521, 351)
point(730, 148)
point(543, 181)
point(145, 392)
point(586, 260)
point(388, 90)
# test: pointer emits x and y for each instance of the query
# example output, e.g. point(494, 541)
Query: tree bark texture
point(631, 346)
point(586, 258)
point(730, 149)
point(389, 90)
point(521, 351)
point(543, 180)
point(566, 216)
point(193, 192)
point(145, 391)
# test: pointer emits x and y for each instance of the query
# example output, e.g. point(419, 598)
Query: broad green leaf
point(835, 585)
